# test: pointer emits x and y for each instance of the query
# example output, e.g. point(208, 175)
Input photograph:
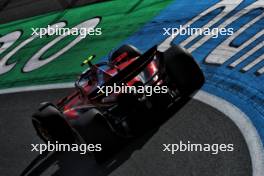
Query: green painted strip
point(120, 19)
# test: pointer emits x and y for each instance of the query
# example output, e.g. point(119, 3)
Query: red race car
point(121, 99)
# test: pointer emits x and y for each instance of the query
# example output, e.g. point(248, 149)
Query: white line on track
point(36, 88)
point(243, 123)
point(241, 120)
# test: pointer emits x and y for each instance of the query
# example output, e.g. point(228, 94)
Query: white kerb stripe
point(244, 124)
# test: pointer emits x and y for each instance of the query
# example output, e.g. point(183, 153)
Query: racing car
point(91, 116)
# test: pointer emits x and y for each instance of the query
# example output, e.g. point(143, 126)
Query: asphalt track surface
point(195, 121)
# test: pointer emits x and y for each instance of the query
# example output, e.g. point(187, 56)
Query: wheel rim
point(42, 131)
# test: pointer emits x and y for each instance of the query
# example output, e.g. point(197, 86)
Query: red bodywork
point(78, 102)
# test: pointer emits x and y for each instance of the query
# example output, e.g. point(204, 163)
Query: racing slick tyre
point(51, 126)
point(94, 129)
point(182, 70)
point(131, 50)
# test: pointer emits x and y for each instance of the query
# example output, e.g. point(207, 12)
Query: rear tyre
point(182, 70)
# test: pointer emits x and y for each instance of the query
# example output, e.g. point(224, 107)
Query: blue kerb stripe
point(244, 90)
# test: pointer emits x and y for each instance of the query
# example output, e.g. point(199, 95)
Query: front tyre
point(50, 125)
